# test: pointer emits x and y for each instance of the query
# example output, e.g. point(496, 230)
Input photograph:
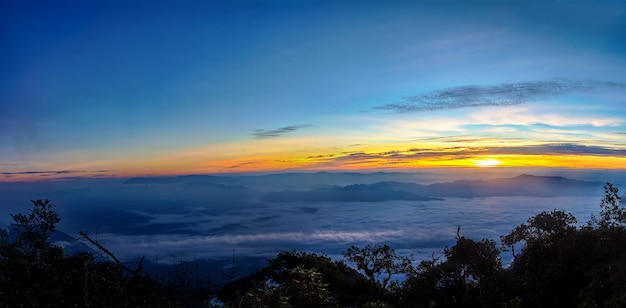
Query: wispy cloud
point(55, 174)
point(395, 157)
point(505, 94)
point(464, 139)
point(560, 149)
point(243, 164)
point(272, 133)
point(42, 173)
point(527, 117)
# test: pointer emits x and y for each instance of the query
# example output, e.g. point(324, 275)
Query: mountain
point(376, 192)
point(323, 187)
point(70, 244)
point(522, 185)
point(270, 182)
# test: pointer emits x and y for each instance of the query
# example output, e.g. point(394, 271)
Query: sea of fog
point(186, 221)
point(418, 228)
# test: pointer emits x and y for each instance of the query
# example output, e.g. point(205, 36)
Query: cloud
point(42, 173)
point(243, 164)
point(562, 149)
point(506, 94)
point(405, 156)
point(264, 133)
point(464, 139)
point(259, 242)
point(395, 157)
point(526, 117)
point(57, 174)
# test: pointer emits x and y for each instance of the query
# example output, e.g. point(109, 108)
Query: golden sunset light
point(487, 162)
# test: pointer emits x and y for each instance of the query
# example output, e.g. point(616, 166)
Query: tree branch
point(135, 273)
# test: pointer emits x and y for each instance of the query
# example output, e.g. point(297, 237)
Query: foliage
point(470, 275)
point(303, 288)
point(33, 231)
point(378, 261)
point(35, 273)
point(541, 228)
point(345, 285)
point(583, 267)
point(611, 214)
point(562, 265)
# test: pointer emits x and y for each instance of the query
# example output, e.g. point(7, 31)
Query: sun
point(487, 162)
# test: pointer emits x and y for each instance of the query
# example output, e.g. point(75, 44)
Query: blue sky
point(122, 88)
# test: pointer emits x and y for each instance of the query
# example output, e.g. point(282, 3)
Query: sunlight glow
point(487, 162)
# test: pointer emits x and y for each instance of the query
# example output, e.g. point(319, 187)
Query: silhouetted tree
point(303, 288)
point(378, 261)
point(36, 273)
point(612, 214)
point(346, 286)
point(562, 265)
point(540, 229)
point(469, 275)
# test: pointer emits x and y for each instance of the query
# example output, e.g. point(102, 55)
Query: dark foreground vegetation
point(557, 262)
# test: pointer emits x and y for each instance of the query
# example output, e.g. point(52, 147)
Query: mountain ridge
point(522, 185)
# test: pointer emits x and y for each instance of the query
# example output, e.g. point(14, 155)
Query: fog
point(213, 217)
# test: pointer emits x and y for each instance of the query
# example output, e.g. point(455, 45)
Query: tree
point(476, 269)
point(611, 213)
point(375, 260)
point(32, 231)
point(303, 288)
point(28, 262)
point(346, 286)
point(35, 273)
point(469, 276)
point(565, 266)
point(474, 261)
point(540, 228)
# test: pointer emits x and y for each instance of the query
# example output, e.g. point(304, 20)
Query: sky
point(136, 88)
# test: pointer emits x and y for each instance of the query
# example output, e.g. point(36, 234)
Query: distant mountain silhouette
point(269, 182)
point(309, 187)
point(522, 185)
point(185, 179)
point(70, 243)
point(351, 193)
